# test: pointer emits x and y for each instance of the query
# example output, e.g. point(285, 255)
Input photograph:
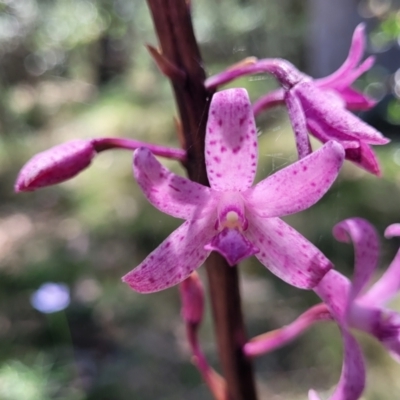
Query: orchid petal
point(334, 290)
point(55, 165)
point(232, 245)
point(365, 158)
point(333, 118)
point(354, 74)
point(389, 283)
point(366, 247)
point(308, 180)
point(352, 378)
point(299, 124)
point(174, 259)
point(231, 141)
point(321, 135)
point(170, 193)
point(355, 53)
point(356, 100)
point(389, 333)
point(286, 253)
point(272, 99)
point(392, 231)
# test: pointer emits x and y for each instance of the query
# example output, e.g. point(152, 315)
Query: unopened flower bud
point(192, 297)
point(55, 165)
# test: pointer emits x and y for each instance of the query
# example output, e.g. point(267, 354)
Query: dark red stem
point(178, 44)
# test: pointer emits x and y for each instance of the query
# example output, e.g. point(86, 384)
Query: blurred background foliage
point(79, 68)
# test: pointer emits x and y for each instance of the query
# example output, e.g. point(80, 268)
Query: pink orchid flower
point(231, 217)
point(352, 309)
point(345, 302)
point(319, 106)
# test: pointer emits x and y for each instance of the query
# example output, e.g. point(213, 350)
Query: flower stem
point(102, 144)
point(178, 44)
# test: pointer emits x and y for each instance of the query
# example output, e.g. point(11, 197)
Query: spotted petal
point(174, 260)
point(286, 253)
point(366, 247)
point(334, 119)
point(389, 284)
point(334, 290)
point(170, 193)
point(307, 180)
point(232, 245)
point(352, 378)
point(231, 141)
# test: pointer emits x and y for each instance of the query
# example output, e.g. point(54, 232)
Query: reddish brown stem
point(178, 44)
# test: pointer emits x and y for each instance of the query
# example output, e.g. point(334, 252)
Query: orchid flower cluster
point(238, 219)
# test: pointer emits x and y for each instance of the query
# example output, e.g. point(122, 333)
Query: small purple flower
point(319, 106)
point(231, 217)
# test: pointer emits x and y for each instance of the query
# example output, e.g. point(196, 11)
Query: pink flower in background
point(352, 309)
point(231, 217)
point(319, 106)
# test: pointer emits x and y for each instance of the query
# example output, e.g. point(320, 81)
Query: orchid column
point(180, 60)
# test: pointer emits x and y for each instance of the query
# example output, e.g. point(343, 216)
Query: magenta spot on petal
point(151, 280)
point(253, 156)
point(253, 131)
point(219, 175)
point(213, 142)
point(220, 122)
point(210, 130)
point(223, 148)
point(305, 168)
point(217, 159)
point(174, 188)
point(241, 121)
point(313, 184)
point(236, 150)
point(167, 244)
point(295, 172)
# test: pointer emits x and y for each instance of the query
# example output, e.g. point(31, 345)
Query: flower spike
point(232, 217)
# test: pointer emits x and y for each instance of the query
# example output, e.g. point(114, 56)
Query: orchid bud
point(55, 165)
point(192, 297)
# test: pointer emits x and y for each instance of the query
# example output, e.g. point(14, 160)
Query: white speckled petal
point(298, 186)
point(170, 193)
point(231, 141)
point(286, 253)
point(174, 260)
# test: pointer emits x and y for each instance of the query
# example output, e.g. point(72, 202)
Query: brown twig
point(178, 44)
